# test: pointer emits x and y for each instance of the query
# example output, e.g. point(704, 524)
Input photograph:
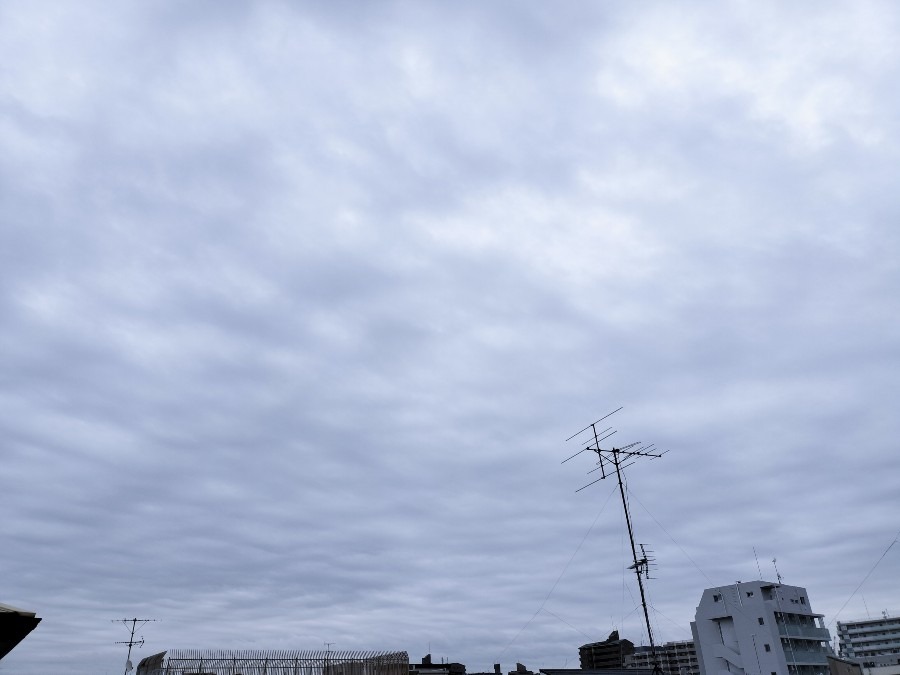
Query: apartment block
point(869, 638)
point(759, 628)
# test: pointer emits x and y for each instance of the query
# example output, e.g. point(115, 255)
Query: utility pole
point(619, 459)
point(131, 642)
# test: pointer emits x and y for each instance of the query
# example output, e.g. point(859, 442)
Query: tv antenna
point(611, 461)
point(131, 642)
point(777, 574)
point(328, 646)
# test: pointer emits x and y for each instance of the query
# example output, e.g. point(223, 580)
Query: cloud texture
point(299, 301)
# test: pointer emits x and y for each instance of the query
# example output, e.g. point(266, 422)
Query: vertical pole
point(130, 643)
point(638, 566)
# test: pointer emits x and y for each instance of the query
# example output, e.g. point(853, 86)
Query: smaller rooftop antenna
point(645, 564)
point(131, 642)
point(775, 560)
point(328, 646)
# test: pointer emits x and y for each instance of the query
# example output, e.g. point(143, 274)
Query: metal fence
point(274, 662)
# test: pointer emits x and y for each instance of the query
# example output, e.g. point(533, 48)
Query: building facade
point(675, 658)
point(864, 640)
point(759, 628)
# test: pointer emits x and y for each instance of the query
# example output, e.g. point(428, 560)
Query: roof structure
point(15, 625)
point(275, 662)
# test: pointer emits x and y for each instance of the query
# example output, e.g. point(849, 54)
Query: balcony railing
point(801, 656)
point(812, 632)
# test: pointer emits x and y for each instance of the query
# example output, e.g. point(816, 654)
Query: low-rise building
point(266, 662)
point(839, 666)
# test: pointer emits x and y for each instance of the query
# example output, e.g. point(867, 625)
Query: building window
point(761, 622)
point(749, 594)
point(716, 597)
point(768, 647)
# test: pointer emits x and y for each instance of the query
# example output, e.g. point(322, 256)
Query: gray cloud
point(300, 300)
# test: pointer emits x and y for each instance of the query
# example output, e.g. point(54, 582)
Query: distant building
point(839, 666)
point(610, 653)
point(496, 671)
point(760, 627)
point(597, 671)
point(880, 665)
point(863, 640)
point(520, 670)
point(429, 668)
point(674, 658)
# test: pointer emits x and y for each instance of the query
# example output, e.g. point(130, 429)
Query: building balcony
point(809, 632)
point(799, 657)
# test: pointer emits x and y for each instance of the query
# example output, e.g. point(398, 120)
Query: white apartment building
point(866, 639)
point(759, 628)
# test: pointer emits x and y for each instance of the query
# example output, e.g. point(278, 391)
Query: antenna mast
point(131, 642)
point(619, 459)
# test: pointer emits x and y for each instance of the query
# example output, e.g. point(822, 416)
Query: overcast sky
point(300, 301)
